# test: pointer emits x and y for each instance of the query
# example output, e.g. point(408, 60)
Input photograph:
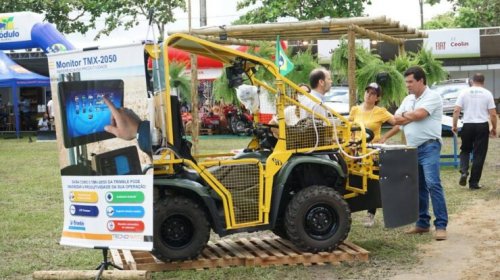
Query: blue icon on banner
point(83, 210)
point(125, 211)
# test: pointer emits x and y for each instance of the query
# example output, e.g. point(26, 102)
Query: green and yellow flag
point(282, 61)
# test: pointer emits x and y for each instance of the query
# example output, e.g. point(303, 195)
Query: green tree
point(474, 13)
point(270, 10)
point(81, 16)
point(446, 20)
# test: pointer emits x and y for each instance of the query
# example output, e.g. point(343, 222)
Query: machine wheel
point(181, 229)
point(317, 219)
point(280, 231)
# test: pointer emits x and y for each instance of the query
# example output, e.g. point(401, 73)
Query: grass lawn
point(31, 209)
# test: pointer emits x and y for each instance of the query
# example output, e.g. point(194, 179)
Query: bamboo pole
point(285, 25)
point(195, 128)
point(232, 41)
point(376, 35)
point(91, 274)
point(351, 66)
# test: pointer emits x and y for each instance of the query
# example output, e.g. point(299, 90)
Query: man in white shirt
point(321, 81)
point(420, 116)
point(50, 110)
point(478, 105)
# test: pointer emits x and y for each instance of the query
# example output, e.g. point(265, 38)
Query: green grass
point(31, 210)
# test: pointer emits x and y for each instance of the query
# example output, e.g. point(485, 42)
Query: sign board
point(108, 199)
point(454, 43)
point(16, 27)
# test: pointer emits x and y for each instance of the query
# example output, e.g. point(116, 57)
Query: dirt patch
point(471, 252)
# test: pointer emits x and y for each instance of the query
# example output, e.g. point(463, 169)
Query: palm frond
point(179, 80)
point(433, 68)
point(304, 62)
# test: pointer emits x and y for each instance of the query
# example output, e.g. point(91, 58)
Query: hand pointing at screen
point(124, 122)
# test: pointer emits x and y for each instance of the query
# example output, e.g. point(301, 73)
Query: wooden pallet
point(243, 252)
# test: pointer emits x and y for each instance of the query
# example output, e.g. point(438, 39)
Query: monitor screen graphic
point(83, 111)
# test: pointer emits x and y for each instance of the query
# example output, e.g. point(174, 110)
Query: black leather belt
point(428, 142)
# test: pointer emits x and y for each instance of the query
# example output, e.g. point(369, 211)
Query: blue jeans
point(430, 184)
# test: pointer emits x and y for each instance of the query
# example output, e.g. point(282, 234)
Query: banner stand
point(105, 263)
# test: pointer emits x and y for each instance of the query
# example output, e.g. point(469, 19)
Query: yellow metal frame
point(163, 164)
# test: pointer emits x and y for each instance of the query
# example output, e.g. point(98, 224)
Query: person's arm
point(389, 134)
point(493, 118)
point(456, 114)
point(411, 116)
point(144, 137)
point(124, 122)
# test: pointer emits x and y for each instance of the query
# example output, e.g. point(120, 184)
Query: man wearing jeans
point(420, 116)
point(478, 106)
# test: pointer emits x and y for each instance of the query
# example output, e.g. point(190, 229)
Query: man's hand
point(493, 133)
point(124, 122)
point(454, 129)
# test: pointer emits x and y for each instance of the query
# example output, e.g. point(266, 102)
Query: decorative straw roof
point(375, 28)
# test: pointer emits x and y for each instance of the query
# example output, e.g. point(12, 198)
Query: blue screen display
point(86, 112)
point(83, 111)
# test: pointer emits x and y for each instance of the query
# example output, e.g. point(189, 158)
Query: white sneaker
point(369, 220)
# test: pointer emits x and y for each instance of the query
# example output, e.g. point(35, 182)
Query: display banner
point(107, 185)
point(454, 43)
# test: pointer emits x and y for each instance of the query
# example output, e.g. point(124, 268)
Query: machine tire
point(181, 229)
point(317, 219)
point(280, 231)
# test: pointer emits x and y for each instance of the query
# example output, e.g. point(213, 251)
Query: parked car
point(338, 99)
point(449, 91)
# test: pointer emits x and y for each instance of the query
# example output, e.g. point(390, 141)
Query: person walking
point(420, 116)
point(478, 105)
point(372, 116)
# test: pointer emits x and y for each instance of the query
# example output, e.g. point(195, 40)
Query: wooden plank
point(255, 249)
point(221, 253)
point(267, 247)
point(234, 251)
point(282, 248)
point(116, 258)
point(129, 259)
point(362, 253)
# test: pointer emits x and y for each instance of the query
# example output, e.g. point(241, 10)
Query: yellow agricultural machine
point(301, 180)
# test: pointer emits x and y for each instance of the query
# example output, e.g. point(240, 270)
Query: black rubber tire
point(181, 229)
point(280, 231)
point(317, 219)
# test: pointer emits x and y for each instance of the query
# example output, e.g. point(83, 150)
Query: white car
point(338, 99)
point(449, 91)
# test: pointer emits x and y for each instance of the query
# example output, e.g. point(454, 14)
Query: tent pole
point(16, 107)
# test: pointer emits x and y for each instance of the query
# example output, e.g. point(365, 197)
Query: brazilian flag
point(282, 61)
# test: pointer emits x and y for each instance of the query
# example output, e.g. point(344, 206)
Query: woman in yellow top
point(372, 116)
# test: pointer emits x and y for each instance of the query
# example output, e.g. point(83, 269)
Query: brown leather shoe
point(440, 234)
point(416, 230)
